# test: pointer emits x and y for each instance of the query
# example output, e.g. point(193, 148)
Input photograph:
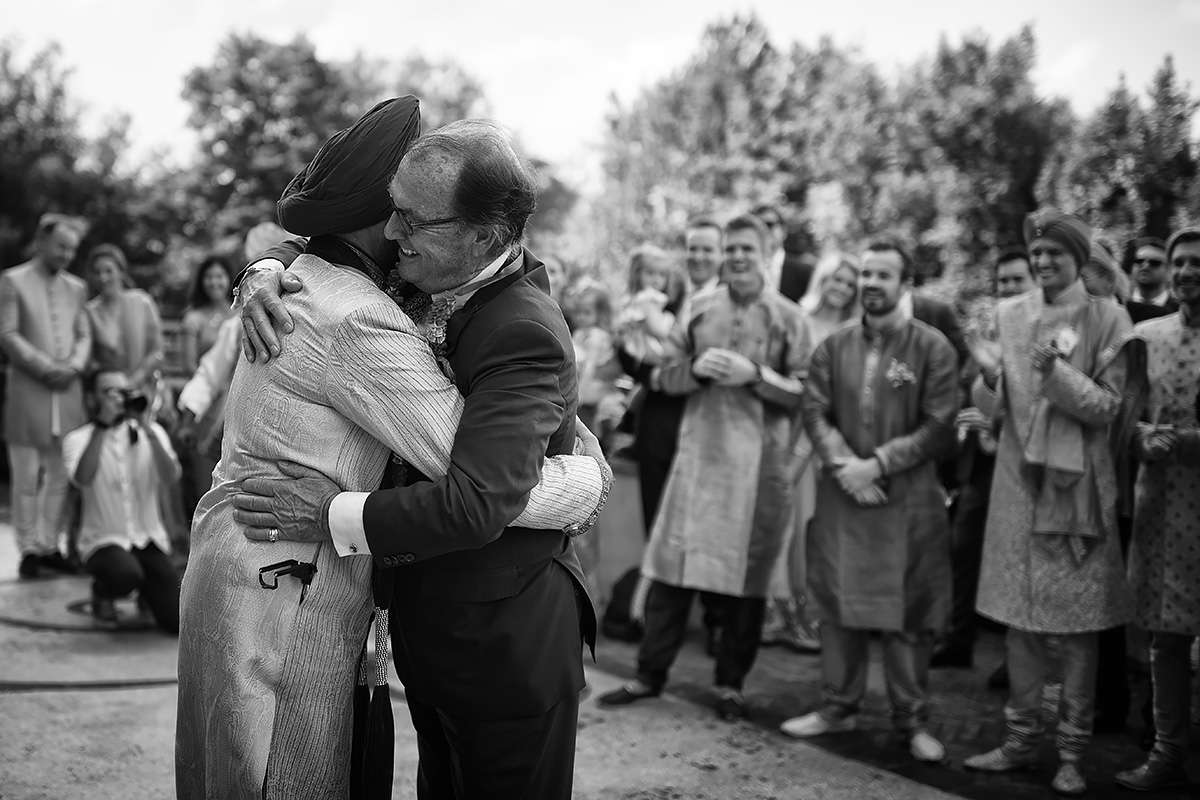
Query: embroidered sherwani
point(1164, 557)
point(266, 677)
point(1027, 581)
point(728, 499)
point(889, 394)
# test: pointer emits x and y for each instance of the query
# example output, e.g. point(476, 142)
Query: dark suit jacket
point(487, 620)
point(942, 316)
point(794, 277)
point(1140, 312)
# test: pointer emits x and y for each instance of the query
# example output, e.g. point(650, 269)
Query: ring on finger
point(273, 535)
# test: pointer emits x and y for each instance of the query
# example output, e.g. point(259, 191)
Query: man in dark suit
point(487, 621)
point(787, 272)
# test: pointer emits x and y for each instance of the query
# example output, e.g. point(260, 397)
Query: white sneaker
point(815, 725)
point(924, 747)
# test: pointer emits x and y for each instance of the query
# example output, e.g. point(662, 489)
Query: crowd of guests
point(822, 454)
point(852, 463)
point(104, 469)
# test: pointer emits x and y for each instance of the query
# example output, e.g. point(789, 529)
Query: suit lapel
point(459, 319)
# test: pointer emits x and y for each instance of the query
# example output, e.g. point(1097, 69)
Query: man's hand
point(972, 419)
point(295, 508)
point(871, 497)
point(263, 312)
point(1044, 356)
point(185, 430)
point(987, 354)
point(59, 377)
point(856, 475)
point(725, 367)
point(1158, 441)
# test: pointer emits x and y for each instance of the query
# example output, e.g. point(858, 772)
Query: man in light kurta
point(1164, 561)
point(880, 409)
point(1052, 566)
point(728, 499)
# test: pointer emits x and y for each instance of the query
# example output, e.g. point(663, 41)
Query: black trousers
point(116, 572)
point(657, 437)
point(667, 609)
point(512, 759)
point(1112, 674)
point(966, 552)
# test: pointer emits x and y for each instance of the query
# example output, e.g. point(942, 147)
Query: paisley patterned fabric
point(1035, 583)
point(1164, 558)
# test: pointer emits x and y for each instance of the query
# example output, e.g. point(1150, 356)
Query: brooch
point(899, 374)
point(1065, 341)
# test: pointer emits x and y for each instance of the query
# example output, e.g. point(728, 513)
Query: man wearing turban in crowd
point(1058, 370)
point(269, 658)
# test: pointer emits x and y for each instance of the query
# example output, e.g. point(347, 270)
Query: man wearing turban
point(273, 627)
point(1057, 371)
point(489, 615)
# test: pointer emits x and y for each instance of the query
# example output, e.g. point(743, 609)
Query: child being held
point(655, 292)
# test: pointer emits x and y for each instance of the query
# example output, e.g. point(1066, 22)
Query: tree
point(261, 111)
point(1166, 165)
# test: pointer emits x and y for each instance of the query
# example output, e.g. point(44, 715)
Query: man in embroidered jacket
point(728, 498)
point(880, 408)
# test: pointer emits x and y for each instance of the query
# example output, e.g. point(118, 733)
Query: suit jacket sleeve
point(817, 408)
point(82, 349)
point(513, 407)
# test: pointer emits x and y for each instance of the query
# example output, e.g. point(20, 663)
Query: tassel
point(379, 742)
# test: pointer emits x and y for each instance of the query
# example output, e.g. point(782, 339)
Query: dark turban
point(1066, 230)
point(344, 187)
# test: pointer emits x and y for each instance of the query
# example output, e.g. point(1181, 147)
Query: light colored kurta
point(892, 395)
point(1164, 557)
point(266, 677)
point(728, 498)
point(43, 322)
point(1027, 581)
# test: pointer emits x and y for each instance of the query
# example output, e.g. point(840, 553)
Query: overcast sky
point(548, 69)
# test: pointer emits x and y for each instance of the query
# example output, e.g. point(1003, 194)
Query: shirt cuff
point(346, 526)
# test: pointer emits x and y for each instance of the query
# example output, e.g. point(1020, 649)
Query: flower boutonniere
point(900, 373)
point(1065, 341)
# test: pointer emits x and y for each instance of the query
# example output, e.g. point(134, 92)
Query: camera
point(134, 402)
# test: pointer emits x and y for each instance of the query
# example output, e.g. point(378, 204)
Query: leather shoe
point(950, 657)
point(816, 725)
point(924, 747)
point(57, 562)
point(732, 706)
point(629, 693)
point(1000, 760)
point(1069, 780)
point(31, 566)
point(1155, 774)
point(104, 611)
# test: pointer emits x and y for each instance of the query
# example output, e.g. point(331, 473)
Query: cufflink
point(353, 548)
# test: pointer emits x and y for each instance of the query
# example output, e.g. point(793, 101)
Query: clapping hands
point(1158, 442)
point(725, 367)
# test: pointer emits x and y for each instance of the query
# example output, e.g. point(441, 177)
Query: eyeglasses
point(1185, 261)
point(409, 226)
point(1153, 262)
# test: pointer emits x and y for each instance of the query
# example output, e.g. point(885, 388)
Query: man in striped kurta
point(728, 499)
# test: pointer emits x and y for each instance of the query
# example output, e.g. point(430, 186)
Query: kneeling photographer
point(119, 460)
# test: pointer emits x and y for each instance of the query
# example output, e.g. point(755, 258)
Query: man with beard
point(880, 406)
point(44, 331)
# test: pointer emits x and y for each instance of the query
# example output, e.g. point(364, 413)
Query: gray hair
point(496, 188)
